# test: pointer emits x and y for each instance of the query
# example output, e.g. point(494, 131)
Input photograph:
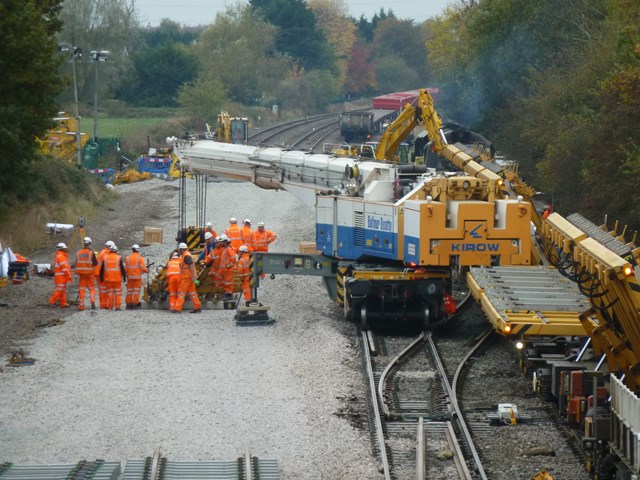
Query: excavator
point(232, 129)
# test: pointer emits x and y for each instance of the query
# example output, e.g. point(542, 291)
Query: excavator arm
point(423, 113)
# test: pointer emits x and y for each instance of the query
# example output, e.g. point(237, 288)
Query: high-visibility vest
point(245, 233)
point(233, 232)
point(101, 256)
point(84, 262)
point(112, 272)
point(61, 265)
point(243, 265)
point(184, 268)
point(261, 240)
point(134, 264)
point(210, 230)
point(228, 258)
point(173, 267)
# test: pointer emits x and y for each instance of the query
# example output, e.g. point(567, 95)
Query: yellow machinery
point(156, 293)
point(232, 129)
point(61, 141)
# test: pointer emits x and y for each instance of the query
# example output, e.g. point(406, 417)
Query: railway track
point(285, 133)
point(413, 407)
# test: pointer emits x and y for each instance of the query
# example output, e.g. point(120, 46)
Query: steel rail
point(280, 128)
point(393, 364)
point(458, 457)
point(420, 454)
point(451, 389)
point(386, 468)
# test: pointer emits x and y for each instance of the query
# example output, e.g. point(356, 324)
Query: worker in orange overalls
point(245, 234)
point(113, 273)
point(233, 232)
point(548, 210)
point(261, 238)
point(86, 263)
point(228, 260)
point(188, 279)
point(209, 244)
point(213, 260)
point(209, 228)
point(174, 276)
point(62, 276)
point(135, 266)
point(244, 271)
point(102, 288)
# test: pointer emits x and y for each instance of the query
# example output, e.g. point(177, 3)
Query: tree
point(202, 98)
point(100, 25)
point(361, 77)
point(297, 32)
point(393, 75)
point(308, 93)
point(366, 28)
point(403, 41)
point(30, 82)
point(240, 50)
point(340, 31)
point(163, 60)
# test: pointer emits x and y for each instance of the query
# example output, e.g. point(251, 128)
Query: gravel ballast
point(119, 385)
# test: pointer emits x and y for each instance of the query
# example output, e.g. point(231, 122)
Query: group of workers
point(224, 254)
point(106, 268)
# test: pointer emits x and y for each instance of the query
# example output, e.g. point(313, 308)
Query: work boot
point(195, 311)
point(138, 305)
point(93, 306)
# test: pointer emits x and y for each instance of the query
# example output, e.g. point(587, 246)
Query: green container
point(90, 155)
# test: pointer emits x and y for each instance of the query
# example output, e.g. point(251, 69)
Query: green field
point(119, 127)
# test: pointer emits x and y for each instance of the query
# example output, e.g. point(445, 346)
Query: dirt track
point(27, 309)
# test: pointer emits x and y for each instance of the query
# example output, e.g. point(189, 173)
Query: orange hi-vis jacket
point(228, 258)
point(245, 234)
point(61, 268)
point(85, 262)
point(243, 265)
point(235, 239)
point(173, 267)
point(261, 240)
point(211, 230)
point(103, 253)
point(185, 269)
point(113, 268)
point(135, 266)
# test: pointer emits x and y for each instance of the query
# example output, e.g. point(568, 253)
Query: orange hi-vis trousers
point(86, 282)
point(134, 287)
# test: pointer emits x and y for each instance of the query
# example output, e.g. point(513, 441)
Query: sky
point(203, 12)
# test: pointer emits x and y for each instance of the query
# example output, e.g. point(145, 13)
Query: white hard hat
point(261, 224)
point(224, 238)
point(233, 220)
point(61, 245)
point(208, 235)
point(209, 224)
point(135, 247)
point(175, 255)
point(87, 240)
point(243, 248)
point(183, 246)
point(246, 220)
point(218, 238)
point(113, 248)
point(109, 243)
